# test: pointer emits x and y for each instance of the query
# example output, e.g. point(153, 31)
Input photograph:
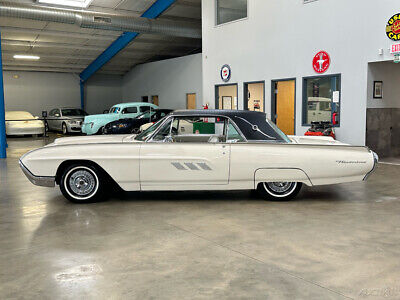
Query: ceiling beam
point(57, 65)
point(183, 42)
point(58, 70)
point(127, 51)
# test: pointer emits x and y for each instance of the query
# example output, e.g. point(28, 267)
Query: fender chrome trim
point(47, 181)
point(376, 160)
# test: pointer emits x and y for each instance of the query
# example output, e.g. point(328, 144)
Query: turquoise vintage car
point(94, 124)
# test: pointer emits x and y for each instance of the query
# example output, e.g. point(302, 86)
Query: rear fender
point(281, 175)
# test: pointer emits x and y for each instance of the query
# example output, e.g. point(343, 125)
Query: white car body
point(156, 166)
point(23, 123)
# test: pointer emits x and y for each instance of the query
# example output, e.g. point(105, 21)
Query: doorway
point(191, 101)
point(284, 104)
point(154, 99)
point(145, 99)
point(226, 96)
point(254, 96)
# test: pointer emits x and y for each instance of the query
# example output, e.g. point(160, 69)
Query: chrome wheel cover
point(280, 189)
point(81, 183)
point(64, 129)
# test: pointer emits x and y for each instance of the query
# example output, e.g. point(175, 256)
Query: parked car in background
point(67, 120)
point(23, 123)
point(132, 125)
point(198, 150)
point(319, 109)
point(94, 124)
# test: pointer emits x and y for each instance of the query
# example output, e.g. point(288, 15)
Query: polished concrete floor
point(333, 242)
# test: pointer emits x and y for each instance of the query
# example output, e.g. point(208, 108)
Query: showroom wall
point(170, 79)
point(279, 40)
point(102, 92)
point(37, 91)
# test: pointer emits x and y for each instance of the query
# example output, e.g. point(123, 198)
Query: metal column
point(82, 86)
point(3, 141)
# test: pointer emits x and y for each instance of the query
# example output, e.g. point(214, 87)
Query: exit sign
point(394, 49)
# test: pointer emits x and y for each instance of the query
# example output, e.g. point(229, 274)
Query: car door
point(51, 119)
point(199, 162)
point(58, 120)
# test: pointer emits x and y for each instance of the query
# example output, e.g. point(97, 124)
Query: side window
point(198, 130)
point(233, 135)
point(52, 112)
point(130, 110)
point(228, 10)
point(57, 113)
point(144, 108)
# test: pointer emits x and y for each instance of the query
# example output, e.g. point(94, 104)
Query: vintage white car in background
point(197, 150)
point(23, 123)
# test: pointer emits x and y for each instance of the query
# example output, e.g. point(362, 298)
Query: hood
point(315, 140)
point(94, 139)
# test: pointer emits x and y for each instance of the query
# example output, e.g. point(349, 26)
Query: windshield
point(278, 131)
point(73, 112)
point(146, 133)
point(114, 110)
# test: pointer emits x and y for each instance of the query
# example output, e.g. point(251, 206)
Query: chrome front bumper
point(47, 181)
point(376, 160)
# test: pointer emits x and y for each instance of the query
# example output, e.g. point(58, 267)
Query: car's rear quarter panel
point(321, 164)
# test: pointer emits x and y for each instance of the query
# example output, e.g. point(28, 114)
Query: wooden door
point(285, 106)
point(155, 100)
point(191, 101)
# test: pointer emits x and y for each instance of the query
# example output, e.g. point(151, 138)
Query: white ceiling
point(69, 48)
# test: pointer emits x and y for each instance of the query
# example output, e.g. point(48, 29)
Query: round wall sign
point(393, 28)
point(225, 73)
point(321, 62)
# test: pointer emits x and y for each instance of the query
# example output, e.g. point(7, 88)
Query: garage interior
point(331, 242)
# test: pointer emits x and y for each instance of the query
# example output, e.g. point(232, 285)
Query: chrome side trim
point(47, 181)
point(376, 160)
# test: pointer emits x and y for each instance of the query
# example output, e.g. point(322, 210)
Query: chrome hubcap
point(82, 183)
point(279, 187)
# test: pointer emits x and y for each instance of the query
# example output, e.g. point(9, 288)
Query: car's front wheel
point(82, 184)
point(279, 191)
point(64, 129)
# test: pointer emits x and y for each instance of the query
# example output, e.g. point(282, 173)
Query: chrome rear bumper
point(376, 160)
point(47, 181)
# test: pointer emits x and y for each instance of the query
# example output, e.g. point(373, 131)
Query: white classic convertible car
point(197, 150)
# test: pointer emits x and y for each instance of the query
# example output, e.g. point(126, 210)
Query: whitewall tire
point(82, 184)
point(279, 191)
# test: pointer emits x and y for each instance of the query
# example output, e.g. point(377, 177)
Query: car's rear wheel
point(82, 184)
point(279, 191)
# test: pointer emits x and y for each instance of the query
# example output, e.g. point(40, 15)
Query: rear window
point(145, 108)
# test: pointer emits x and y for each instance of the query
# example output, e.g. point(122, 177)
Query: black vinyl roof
point(252, 124)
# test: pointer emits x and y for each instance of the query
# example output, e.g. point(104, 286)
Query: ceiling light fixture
point(69, 3)
point(30, 57)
